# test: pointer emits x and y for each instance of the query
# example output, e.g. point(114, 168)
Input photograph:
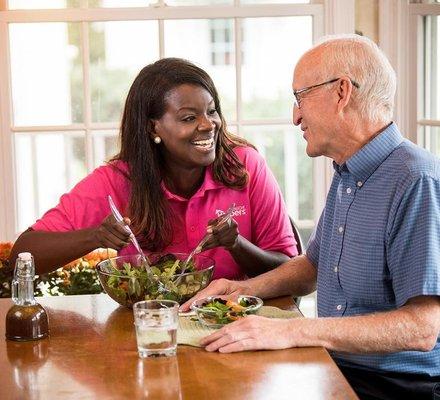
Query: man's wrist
point(256, 286)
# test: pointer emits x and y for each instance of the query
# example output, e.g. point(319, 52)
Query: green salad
point(219, 311)
point(161, 281)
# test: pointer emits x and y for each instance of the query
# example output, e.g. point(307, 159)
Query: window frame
point(418, 121)
point(329, 16)
point(401, 37)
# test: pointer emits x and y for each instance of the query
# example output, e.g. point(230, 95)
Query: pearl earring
point(157, 139)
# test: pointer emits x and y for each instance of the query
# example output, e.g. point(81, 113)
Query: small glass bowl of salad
point(216, 311)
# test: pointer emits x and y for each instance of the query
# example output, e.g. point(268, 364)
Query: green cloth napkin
point(190, 332)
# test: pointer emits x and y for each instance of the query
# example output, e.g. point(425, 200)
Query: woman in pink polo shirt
point(177, 171)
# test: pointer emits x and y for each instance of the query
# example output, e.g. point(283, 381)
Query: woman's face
point(189, 128)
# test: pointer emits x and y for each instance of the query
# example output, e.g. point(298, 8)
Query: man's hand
point(251, 333)
point(112, 234)
point(219, 287)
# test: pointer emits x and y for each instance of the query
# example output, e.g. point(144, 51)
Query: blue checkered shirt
point(377, 243)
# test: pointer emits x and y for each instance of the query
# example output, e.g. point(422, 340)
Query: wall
point(367, 18)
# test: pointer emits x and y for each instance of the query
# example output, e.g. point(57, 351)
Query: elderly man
point(375, 253)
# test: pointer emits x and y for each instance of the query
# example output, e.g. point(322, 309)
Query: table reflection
point(114, 341)
point(159, 378)
point(26, 359)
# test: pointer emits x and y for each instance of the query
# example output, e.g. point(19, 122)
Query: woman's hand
point(112, 234)
point(222, 233)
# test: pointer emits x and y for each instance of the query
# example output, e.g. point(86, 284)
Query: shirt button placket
point(191, 238)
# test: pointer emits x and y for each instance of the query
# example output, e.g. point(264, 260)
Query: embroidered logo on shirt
point(238, 210)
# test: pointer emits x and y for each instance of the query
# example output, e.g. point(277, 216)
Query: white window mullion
point(429, 122)
point(238, 61)
point(87, 106)
point(7, 186)
point(416, 85)
point(183, 12)
point(291, 174)
point(35, 182)
point(272, 121)
point(161, 38)
point(48, 128)
point(424, 108)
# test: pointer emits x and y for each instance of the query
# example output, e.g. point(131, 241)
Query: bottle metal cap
point(25, 256)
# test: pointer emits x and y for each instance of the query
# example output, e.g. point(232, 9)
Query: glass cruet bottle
point(26, 319)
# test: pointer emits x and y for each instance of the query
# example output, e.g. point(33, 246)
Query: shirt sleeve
point(413, 246)
point(86, 205)
point(313, 246)
point(271, 229)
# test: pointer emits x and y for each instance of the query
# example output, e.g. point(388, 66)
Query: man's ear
point(344, 90)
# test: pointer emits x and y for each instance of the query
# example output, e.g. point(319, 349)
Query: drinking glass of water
point(156, 327)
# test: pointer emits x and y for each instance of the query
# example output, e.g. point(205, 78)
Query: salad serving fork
point(198, 249)
point(117, 215)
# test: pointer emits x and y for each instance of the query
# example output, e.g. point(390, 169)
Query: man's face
point(315, 113)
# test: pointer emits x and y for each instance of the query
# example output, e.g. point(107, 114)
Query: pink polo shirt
point(259, 210)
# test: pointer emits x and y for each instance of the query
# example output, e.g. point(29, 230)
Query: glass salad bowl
point(126, 279)
point(216, 311)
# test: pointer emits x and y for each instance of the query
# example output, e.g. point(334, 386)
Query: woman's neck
point(184, 182)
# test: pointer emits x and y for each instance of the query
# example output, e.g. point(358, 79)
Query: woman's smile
point(204, 145)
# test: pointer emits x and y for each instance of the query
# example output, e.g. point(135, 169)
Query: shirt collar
point(208, 183)
point(366, 160)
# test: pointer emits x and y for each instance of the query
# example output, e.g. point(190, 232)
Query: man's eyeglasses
point(298, 93)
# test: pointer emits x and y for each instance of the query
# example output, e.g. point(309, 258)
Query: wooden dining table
point(91, 354)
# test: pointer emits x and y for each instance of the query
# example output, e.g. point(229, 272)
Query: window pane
point(45, 4)
point(284, 150)
point(105, 146)
point(118, 51)
point(47, 165)
point(232, 129)
point(269, 61)
point(432, 67)
point(305, 234)
point(432, 139)
point(46, 68)
point(210, 45)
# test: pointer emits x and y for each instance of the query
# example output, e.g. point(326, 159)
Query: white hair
point(361, 60)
